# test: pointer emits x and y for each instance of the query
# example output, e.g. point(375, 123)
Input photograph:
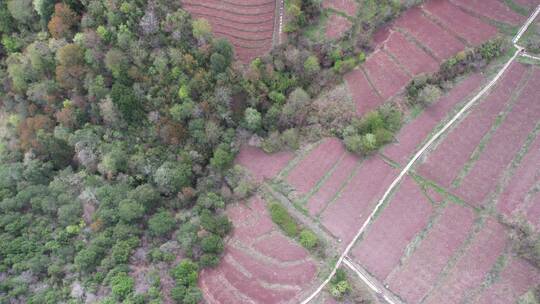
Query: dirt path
point(519, 51)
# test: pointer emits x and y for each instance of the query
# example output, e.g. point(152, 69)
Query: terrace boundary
point(385, 293)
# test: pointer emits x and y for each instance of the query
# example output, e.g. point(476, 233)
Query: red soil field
point(381, 35)
point(273, 273)
point(522, 181)
point(363, 94)
point(261, 164)
point(337, 25)
point(261, 266)
point(444, 164)
point(504, 145)
point(249, 25)
point(316, 164)
point(443, 44)
point(385, 74)
point(346, 6)
point(473, 267)
point(289, 252)
point(492, 9)
point(514, 281)
point(385, 242)
point(466, 26)
point(412, 134)
point(345, 215)
point(417, 276)
point(410, 56)
point(328, 190)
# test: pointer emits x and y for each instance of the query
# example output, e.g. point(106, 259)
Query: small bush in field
point(308, 239)
point(283, 219)
point(374, 130)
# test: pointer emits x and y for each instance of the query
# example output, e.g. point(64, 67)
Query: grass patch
point(516, 7)
point(283, 219)
point(307, 238)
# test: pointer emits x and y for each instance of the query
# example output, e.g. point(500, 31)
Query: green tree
point(130, 210)
point(161, 223)
point(116, 61)
point(212, 244)
point(202, 29)
point(145, 194)
point(127, 103)
point(311, 65)
point(21, 10)
point(253, 119)
point(170, 177)
point(222, 158)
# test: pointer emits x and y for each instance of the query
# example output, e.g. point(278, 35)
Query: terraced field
point(441, 237)
point(418, 41)
point(249, 25)
point(261, 265)
point(450, 249)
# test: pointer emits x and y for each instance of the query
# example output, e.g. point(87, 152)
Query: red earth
point(316, 164)
point(337, 25)
point(492, 9)
point(344, 216)
point(346, 6)
point(470, 28)
point(509, 137)
point(384, 243)
point(411, 57)
point(385, 75)
point(472, 268)
point(261, 164)
point(416, 277)
point(344, 169)
point(413, 133)
point(517, 277)
point(363, 94)
point(444, 164)
point(249, 25)
point(440, 42)
point(260, 265)
point(523, 180)
point(414, 43)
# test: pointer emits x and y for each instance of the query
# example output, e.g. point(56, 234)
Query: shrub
point(427, 95)
point(186, 273)
point(290, 138)
point(308, 239)
point(339, 286)
point(283, 219)
point(122, 285)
